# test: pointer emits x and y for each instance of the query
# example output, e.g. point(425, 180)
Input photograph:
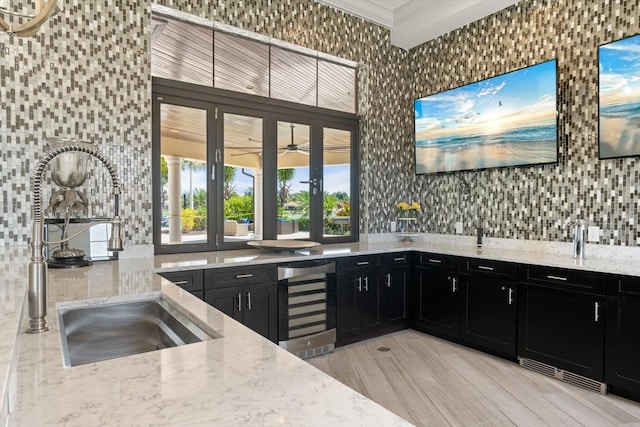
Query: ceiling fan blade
point(245, 154)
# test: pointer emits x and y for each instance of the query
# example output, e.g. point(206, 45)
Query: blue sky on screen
point(531, 89)
point(620, 70)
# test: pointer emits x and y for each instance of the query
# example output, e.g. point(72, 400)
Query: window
point(228, 170)
point(193, 53)
point(253, 139)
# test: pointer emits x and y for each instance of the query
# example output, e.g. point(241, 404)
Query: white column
point(175, 199)
point(257, 203)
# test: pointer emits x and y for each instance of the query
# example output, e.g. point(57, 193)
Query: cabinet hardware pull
point(366, 284)
point(483, 267)
point(181, 282)
point(399, 259)
point(249, 300)
point(437, 261)
point(239, 301)
point(510, 296)
point(244, 276)
point(597, 311)
point(359, 284)
point(454, 288)
point(363, 263)
point(564, 279)
point(388, 280)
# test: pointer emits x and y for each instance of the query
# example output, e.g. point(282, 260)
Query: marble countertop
point(537, 253)
point(239, 379)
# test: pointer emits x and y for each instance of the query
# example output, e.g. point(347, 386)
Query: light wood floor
point(432, 382)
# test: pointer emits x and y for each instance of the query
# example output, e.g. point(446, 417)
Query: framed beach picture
point(507, 120)
point(619, 98)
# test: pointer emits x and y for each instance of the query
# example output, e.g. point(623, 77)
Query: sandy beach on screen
point(619, 137)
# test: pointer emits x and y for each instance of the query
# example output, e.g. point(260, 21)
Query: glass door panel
point(243, 178)
point(293, 191)
point(336, 155)
point(183, 171)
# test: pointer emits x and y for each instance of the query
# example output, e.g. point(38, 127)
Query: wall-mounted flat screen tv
point(507, 120)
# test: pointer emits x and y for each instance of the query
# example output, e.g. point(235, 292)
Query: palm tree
point(284, 188)
point(229, 188)
point(192, 165)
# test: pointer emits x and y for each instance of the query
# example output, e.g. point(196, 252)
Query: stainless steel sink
point(94, 333)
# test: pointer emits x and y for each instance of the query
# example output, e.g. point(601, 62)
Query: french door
point(228, 174)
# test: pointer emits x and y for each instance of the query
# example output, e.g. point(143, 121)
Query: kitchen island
point(240, 378)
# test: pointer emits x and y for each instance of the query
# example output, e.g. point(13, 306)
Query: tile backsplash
point(87, 75)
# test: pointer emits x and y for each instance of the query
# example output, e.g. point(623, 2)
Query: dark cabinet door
point(369, 285)
point(489, 314)
point(348, 306)
point(394, 296)
point(228, 300)
point(622, 351)
point(437, 298)
point(260, 306)
point(562, 328)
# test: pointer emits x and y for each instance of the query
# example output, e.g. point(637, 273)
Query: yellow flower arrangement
point(407, 209)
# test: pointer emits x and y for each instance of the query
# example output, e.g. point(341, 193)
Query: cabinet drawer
point(499, 269)
point(624, 286)
point(579, 280)
point(221, 277)
point(399, 259)
point(441, 262)
point(358, 262)
point(191, 281)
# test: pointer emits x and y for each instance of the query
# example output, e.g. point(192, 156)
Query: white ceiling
point(413, 22)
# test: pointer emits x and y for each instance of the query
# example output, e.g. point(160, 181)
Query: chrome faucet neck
point(37, 293)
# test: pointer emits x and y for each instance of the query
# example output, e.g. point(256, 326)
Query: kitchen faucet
point(37, 266)
point(579, 236)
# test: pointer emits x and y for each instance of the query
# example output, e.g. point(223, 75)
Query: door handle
point(454, 287)
point(366, 284)
point(213, 172)
point(359, 284)
point(510, 298)
point(249, 300)
point(388, 280)
point(313, 181)
point(239, 301)
point(597, 312)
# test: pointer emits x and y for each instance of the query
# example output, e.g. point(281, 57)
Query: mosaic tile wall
point(87, 75)
point(529, 203)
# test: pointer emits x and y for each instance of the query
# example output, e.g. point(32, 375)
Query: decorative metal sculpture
point(69, 170)
point(33, 22)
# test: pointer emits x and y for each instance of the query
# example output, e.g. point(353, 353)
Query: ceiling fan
point(292, 147)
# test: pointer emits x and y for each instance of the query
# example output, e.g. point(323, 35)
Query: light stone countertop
point(239, 379)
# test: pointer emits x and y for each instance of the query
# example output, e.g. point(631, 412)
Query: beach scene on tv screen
point(620, 98)
point(507, 120)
